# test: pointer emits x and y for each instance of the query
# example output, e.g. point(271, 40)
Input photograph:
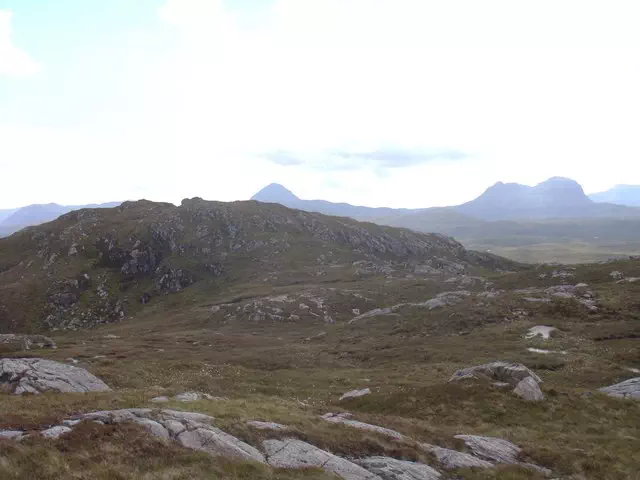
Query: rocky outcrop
point(36, 375)
point(356, 393)
point(25, 342)
point(497, 450)
point(524, 381)
point(294, 453)
point(392, 469)
point(192, 396)
point(344, 419)
point(627, 389)
point(191, 430)
point(511, 373)
point(259, 425)
point(540, 330)
point(452, 459)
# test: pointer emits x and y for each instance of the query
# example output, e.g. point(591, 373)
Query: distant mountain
point(31, 215)
point(628, 195)
point(554, 198)
point(276, 193)
point(5, 213)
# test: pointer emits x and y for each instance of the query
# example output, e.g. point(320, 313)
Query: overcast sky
point(376, 102)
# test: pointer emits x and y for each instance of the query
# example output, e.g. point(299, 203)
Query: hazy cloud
point(399, 157)
point(13, 61)
point(282, 157)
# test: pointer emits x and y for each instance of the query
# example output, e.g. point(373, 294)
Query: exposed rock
point(266, 425)
point(160, 399)
point(356, 393)
point(540, 330)
point(11, 434)
point(392, 469)
point(191, 430)
point(451, 459)
point(497, 450)
point(344, 419)
point(627, 389)
point(616, 275)
point(545, 352)
point(25, 342)
point(55, 432)
point(511, 373)
point(529, 390)
point(192, 396)
point(294, 453)
point(36, 375)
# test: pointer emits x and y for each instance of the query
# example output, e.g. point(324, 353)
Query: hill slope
point(97, 265)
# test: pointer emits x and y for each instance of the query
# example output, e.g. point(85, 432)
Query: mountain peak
point(275, 193)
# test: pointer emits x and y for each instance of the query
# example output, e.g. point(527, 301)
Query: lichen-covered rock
point(266, 425)
point(452, 459)
point(356, 393)
point(189, 429)
point(344, 420)
point(36, 375)
point(55, 432)
point(294, 453)
point(627, 389)
point(497, 450)
point(529, 390)
point(392, 469)
point(511, 373)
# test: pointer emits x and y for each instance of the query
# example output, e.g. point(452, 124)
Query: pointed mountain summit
point(276, 193)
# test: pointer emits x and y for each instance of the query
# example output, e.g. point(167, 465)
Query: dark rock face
point(171, 280)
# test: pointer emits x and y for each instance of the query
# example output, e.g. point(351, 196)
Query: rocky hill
point(97, 266)
point(628, 195)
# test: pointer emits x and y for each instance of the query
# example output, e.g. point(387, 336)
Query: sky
point(402, 103)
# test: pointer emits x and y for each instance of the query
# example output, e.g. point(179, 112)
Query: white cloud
point(13, 60)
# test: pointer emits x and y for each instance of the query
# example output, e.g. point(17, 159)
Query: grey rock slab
point(342, 419)
point(511, 373)
point(218, 443)
point(356, 393)
point(529, 390)
point(160, 399)
point(266, 425)
point(36, 375)
point(392, 469)
point(627, 389)
point(497, 450)
point(451, 459)
point(192, 396)
point(543, 331)
point(55, 432)
point(11, 434)
point(294, 453)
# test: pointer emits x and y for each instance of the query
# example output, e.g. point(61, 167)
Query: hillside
point(97, 266)
point(262, 318)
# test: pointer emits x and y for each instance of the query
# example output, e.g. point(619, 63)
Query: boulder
point(529, 390)
point(627, 389)
point(452, 459)
point(344, 419)
point(543, 331)
point(392, 469)
point(511, 373)
point(192, 396)
point(36, 375)
point(294, 453)
point(356, 393)
point(11, 434)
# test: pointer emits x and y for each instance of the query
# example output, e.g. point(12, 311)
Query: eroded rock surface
point(25, 342)
point(191, 430)
point(345, 420)
point(540, 330)
point(529, 390)
point(294, 453)
point(392, 469)
point(451, 459)
point(36, 375)
point(627, 389)
point(257, 424)
point(511, 373)
point(356, 393)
